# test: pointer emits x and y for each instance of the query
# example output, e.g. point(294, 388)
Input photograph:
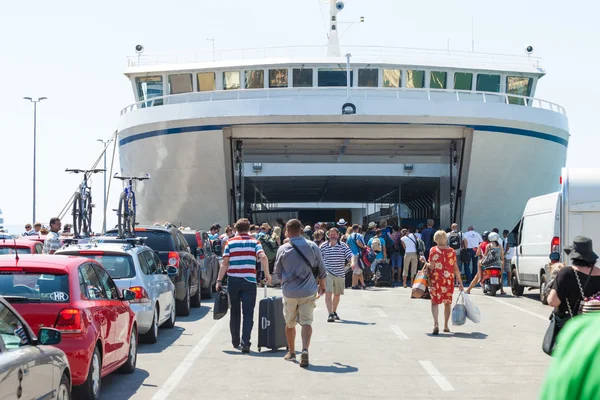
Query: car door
point(24, 367)
point(162, 284)
point(119, 312)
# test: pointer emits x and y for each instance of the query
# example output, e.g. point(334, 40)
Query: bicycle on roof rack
point(127, 206)
point(82, 203)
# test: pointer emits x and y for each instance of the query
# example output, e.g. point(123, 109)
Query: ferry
point(364, 131)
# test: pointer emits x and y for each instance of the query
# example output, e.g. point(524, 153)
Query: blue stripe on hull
point(487, 128)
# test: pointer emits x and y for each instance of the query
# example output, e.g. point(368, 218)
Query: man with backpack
point(458, 242)
point(269, 246)
point(377, 244)
point(356, 242)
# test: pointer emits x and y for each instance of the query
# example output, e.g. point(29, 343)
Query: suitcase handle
point(265, 290)
point(265, 323)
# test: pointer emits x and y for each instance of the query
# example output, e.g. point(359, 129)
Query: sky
point(74, 53)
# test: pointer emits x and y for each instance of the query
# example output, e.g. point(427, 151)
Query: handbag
point(221, 305)
point(465, 256)
point(459, 312)
point(557, 322)
point(420, 285)
point(314, 270)
point(491, 257)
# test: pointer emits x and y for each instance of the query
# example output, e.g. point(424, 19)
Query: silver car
point(136, 267)
point(29, 367)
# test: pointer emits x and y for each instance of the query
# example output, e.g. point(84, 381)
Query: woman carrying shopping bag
point(442, 268)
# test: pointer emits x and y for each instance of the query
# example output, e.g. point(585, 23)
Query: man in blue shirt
point(427, 237)
point(377, 243)
point(356, 242)
point(214, 231)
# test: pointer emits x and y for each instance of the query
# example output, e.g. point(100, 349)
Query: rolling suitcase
point(271, 324)
point(383, 275)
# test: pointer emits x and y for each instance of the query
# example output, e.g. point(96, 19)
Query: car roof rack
point(132, 241)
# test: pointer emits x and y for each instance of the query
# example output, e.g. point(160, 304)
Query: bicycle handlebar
point(133, 178)
point(85, 171)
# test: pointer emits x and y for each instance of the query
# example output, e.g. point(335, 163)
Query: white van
point(550, 222)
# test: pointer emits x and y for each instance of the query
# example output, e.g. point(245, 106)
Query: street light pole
point(105, 144)
point(34, 145)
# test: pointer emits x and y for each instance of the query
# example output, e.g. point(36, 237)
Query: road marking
point(177, 375)
point(437, 377)
point(366, 296)
point(381, 313)
point(520, 309)
point(399, 332)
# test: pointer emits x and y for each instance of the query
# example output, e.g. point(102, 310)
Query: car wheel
point(64, 393)
point(206, 293)
point(152, 335)
point(129, 365)
point(170, 323)
point(183, 307)
point(543, 283)
point(90, 389)
point(517, 290)
point(196, 298)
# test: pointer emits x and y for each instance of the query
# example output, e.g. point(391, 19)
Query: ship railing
point(295, 52)
point(428, 94)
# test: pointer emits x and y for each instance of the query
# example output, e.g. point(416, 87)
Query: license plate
point(494, 280)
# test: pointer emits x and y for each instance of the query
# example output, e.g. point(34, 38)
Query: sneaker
point(355, 287)
point(337, 318)
point(304, 359)
point(331, 318)
point(245, 349)
point(290, 356)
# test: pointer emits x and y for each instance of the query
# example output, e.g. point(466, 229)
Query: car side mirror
point(128, 295)
point(171, 270)
point(49, 336)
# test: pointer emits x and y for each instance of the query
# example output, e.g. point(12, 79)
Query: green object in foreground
point(575, 369)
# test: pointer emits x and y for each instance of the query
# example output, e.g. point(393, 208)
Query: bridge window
point(332, 77)
point(391, 77)
point(231, 80)
point(278, 78)
point(438, 80)
point(488, 83)
point(415, 79)
point(303, 77)
point(206, 81)
point(180, 83)
point(368, 77)
point(149, 87)
point(463, 81)
point(520, 86)
point(255, 79)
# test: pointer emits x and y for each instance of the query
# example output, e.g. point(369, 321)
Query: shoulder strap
point(303, 257)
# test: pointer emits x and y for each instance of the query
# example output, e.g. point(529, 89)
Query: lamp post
point(34, 144)
point(105, 144)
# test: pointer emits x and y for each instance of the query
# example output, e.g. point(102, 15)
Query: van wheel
point(517, 290)
point(195, 301)
point(543, 284)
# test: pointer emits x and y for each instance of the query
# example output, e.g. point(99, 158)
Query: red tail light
point(199, 240)
point(495, 272)
point(91, 253)
point(141, 296)
point(69, 321)
point(174, 259)
point(555, 245)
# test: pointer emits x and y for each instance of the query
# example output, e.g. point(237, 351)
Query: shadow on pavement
point(115, 387)
point(336, 368)
point(349, 322)
point(196, 314)
point(255, 353)
point(166, 337)
point(460, 335)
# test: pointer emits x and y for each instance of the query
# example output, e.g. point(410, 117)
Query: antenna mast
point(333, 47)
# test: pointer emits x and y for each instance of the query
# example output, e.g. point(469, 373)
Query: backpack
point(454, 240)
point(269, 246)
point(389, 243)
point(376, 245)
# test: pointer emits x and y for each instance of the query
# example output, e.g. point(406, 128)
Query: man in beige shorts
point(299, 266)
point(335, 255)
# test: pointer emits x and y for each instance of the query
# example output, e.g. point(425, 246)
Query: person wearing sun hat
point(370, 231)
point(342, 223)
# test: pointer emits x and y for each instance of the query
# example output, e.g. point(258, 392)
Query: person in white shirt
point(473, 241)
point(411, 258)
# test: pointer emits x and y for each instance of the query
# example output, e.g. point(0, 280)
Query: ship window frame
point(465, 75)
point(370, 70)
point(147, 100)
point(301, 70)
point(445, 77)
point(274, 79)
point(325, 70)
point(259, 84)
point(410, 80)
point(180, 75)
point(479, 76)
point(214, 81)
point(383, 76)
point(518, 100)
point(239, 80)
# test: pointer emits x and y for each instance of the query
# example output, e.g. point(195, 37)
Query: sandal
point(436, 331)
point(447, 330)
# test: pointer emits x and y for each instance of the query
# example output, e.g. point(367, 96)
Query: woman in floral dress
point(441, 268)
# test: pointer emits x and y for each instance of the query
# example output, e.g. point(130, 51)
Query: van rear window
point(156, 240)
point(34, 287)
point(118, 266)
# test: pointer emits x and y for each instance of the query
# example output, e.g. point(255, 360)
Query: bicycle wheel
point(122, 218)
point(77, 215)
point(131, 208)
point(87, 216)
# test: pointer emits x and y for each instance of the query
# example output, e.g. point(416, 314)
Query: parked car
point(173, 250)
point(136, 267)
point(79, 298)
point(29, 365)
point(552, 221)
point(21, 246)
point(202, 249)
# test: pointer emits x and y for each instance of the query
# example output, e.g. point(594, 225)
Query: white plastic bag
point(459, 312)
point(472, 311)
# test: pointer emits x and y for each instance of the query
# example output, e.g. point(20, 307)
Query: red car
point(78, 297)
point(22, 246)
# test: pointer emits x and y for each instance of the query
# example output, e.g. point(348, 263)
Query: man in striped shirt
point(239, 263)
point(335, 254)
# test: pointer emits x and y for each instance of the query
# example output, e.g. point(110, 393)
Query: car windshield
point(9, 250)
point(24, 286)
point(156, 240)
point(118, 266)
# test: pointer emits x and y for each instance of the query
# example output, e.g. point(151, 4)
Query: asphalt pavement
point(381, 349)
